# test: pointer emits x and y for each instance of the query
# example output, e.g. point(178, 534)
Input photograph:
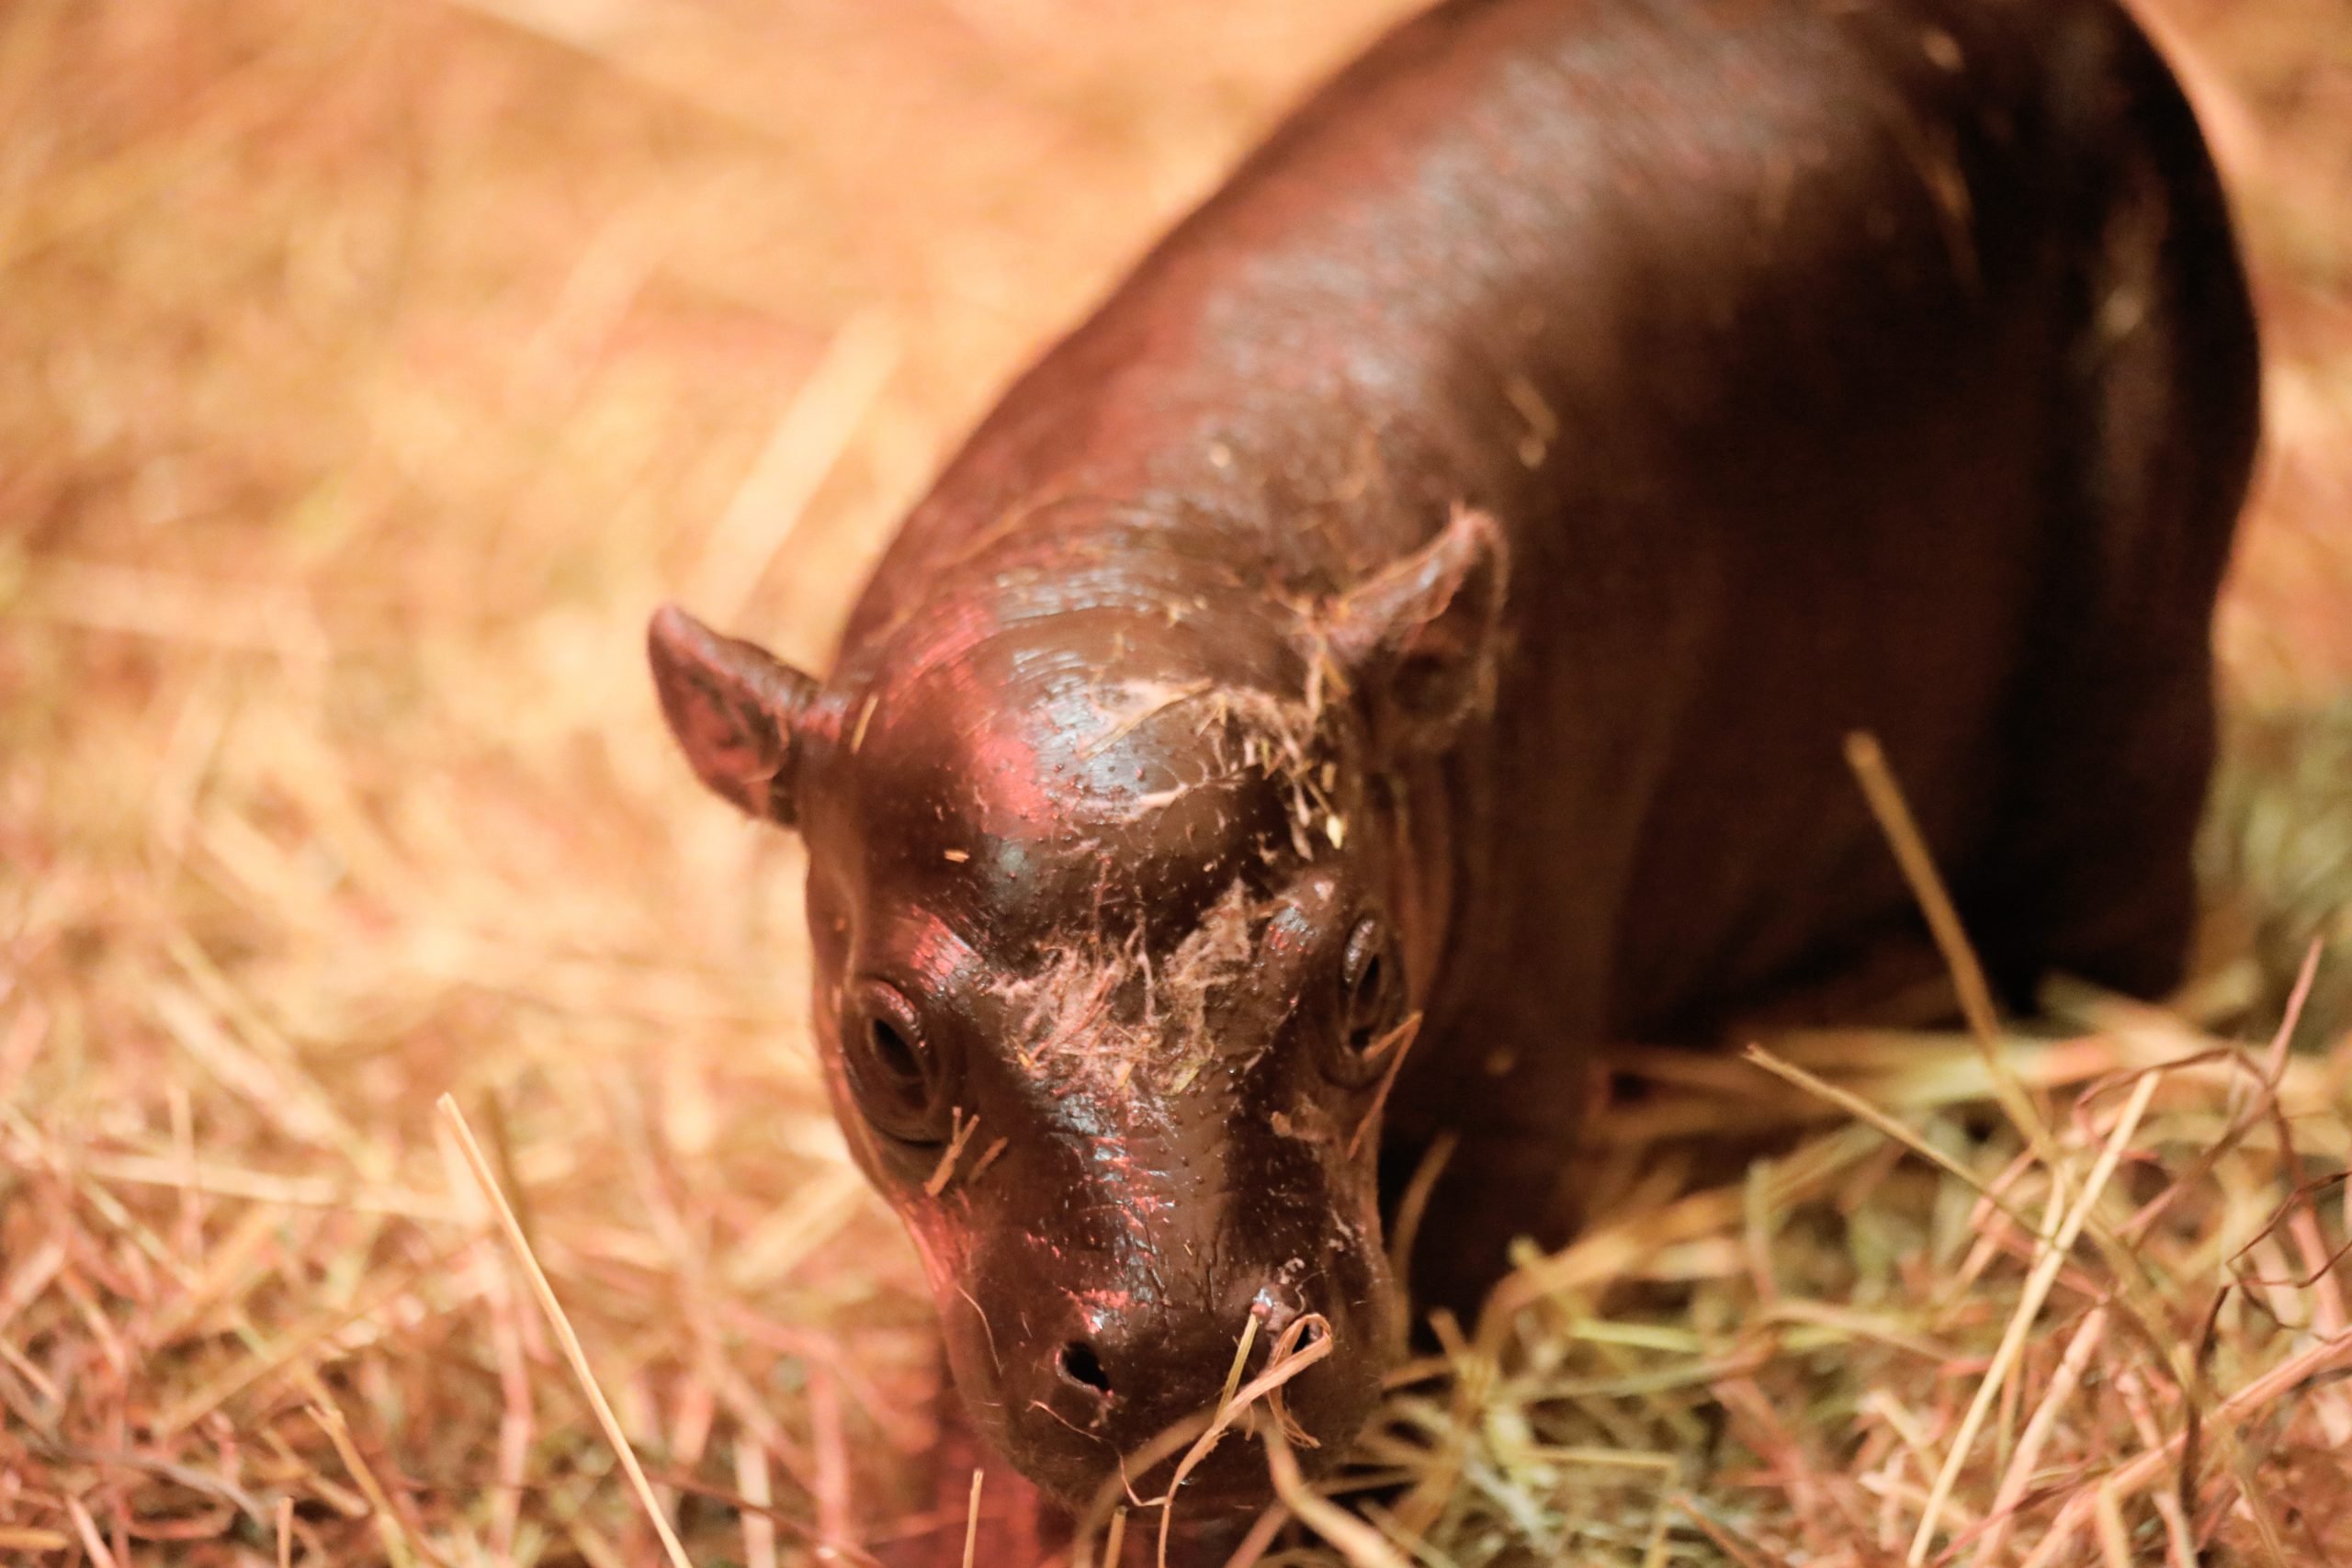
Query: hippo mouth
point(1214, 1464)
point(1097, 1441)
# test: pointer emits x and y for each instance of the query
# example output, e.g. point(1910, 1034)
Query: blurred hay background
point(368, 372)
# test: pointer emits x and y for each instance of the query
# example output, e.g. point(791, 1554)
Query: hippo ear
point(1418, 641)
point(741, 715)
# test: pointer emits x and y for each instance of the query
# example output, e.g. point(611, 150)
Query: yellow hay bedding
point(369, 372)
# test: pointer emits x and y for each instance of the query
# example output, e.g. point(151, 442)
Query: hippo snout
point(1092, 1396)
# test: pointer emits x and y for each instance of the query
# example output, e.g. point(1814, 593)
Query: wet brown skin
point(1436, 585)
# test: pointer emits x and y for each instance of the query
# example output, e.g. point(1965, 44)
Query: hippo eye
point(1369, 990)
point(892, 1070)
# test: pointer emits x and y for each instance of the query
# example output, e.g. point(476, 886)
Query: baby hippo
point(1406, 639)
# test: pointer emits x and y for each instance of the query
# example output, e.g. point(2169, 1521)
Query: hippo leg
point(2114, 714)
point(1498, 1184)
point(2103, 889)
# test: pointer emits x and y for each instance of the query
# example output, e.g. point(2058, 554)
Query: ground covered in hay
point(369, 372)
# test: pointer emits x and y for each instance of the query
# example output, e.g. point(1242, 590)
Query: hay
point(372, 370)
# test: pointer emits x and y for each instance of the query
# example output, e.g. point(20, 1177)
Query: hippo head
point(1121, 931)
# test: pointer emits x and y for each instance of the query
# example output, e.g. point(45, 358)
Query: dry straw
point(529, 1260)
point(372, 370)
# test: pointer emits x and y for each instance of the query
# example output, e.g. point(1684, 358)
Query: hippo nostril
point(1079, 1365)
